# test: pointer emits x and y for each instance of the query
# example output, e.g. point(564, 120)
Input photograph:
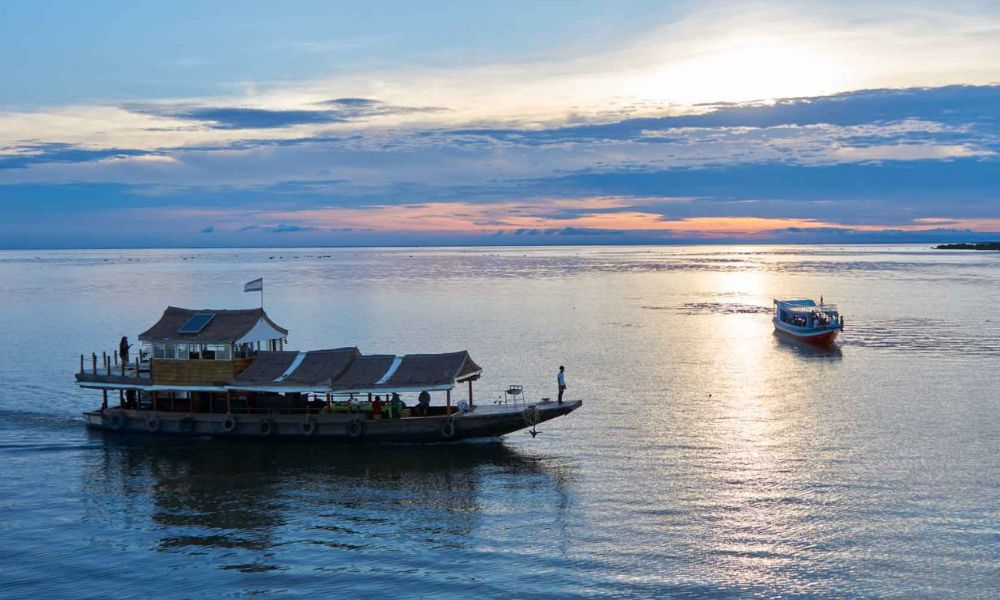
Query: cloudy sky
point(262, 123)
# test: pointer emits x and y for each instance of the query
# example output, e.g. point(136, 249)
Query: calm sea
point(710, 459)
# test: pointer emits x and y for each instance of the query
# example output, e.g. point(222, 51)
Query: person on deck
point(561, 380)
point(396, 407)
point(377, 407)
point(423, 404)
point(123, 347)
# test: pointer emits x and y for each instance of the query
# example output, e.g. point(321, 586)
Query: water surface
point(711, 458)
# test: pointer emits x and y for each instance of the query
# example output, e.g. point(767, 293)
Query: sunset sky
point(327, 123)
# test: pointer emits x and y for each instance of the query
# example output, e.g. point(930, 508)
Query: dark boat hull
point(486, 422)
point(817, 336)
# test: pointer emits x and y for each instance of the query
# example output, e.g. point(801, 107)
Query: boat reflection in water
point(244, 505)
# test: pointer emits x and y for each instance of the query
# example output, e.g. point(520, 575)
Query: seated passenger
point(396, 407)
point(423, 404)
point(377, 407)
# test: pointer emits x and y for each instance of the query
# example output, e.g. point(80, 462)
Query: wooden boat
point(807, 321)
point(227, 373)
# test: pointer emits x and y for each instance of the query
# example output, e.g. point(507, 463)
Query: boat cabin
point(223, 361)
point(806, 314)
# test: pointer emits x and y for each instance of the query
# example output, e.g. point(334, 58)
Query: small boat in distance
point(807, 321)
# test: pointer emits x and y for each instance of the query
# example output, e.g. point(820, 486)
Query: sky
point(299, 123)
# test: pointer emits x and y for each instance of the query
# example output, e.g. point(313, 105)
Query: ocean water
point(710, 458)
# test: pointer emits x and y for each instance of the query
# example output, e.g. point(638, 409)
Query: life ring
point(355, 428)
point(449, 429)
point(308, 426)
point(186, 425)
point(118, 421)
point(229, 424)
point(531, 415)
point(152, 424)
point(266, 427)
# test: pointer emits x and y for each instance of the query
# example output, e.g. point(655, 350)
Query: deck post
point(447, 402)
point(470, 393)
point(229, 402)
point(93, 362)
point(81, 364)
point(104, 402)
point(116, 357)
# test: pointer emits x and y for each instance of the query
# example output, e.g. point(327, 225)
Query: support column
point(229, 402)
point(104, 403)
point(470, 393)
point(447, 402)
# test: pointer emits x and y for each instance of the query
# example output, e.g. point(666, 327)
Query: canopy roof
point(804, 306)
point(223, 326)
point(345, 370)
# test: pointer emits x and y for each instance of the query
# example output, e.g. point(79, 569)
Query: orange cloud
point(597, 213)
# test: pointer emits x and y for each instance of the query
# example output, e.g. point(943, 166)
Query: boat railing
point(110, 364)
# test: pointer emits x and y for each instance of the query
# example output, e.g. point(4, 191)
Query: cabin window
point(158, 351)
point(181, 351)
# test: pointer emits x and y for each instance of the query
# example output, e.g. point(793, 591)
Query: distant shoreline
point(973, 246)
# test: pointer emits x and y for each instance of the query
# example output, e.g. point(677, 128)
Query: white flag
point(257, 285)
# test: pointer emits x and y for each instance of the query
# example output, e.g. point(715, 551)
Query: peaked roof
point(226, 326)
point(296, 369)
point(347, 370)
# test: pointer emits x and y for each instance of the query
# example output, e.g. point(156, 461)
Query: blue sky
point(303, 123)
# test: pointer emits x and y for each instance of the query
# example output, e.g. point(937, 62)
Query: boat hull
point(485, 422)
point(819, 336)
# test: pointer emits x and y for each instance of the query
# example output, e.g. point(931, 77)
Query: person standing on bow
point(561, 380)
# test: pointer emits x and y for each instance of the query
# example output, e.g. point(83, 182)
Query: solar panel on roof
point(196, 323)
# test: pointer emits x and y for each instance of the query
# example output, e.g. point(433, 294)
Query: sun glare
point(749, 69)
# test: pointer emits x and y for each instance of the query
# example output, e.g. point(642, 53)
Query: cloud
point(287, 228)
point(340, 110)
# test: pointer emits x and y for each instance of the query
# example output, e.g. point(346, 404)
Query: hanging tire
point(531, 416)
point(152, 424)
point(309, 426)
point(355, 429)
point(117, 421)
point(449, 430)
point(186, 425)
point(266, 427)
point(229, 424)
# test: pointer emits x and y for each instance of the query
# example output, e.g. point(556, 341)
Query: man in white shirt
point(561, 380)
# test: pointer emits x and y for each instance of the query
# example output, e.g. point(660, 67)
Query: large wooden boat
point(807, 321)
point(227, 373)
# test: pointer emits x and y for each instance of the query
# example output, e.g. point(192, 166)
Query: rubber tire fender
point(117, 421)
point(265, 427)
point(355, 428)
point(152, 424)
point(449, 429)
point(308, 426)
point(229, 424)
